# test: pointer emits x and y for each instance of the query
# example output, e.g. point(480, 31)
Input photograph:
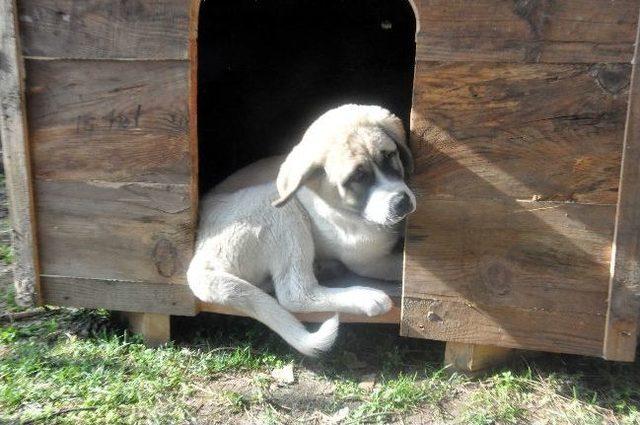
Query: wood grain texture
point(117, 121)
point(522, 255)
point(119, 295)
point(568, 31)
point(624, 294)
point(98, 29)
point(549, 132)
point(125, 231)
point(16, 158)
point(515, 264)
point(458, 321)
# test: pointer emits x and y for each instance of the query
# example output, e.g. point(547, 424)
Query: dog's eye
point(358, 175)
point(388, 154)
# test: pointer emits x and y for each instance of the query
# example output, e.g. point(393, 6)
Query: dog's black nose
point(401, 204)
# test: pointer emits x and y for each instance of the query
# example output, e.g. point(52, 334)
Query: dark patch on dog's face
point(362, 180)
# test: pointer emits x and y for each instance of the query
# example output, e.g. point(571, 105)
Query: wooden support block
point(473, 358)
point(155, 328)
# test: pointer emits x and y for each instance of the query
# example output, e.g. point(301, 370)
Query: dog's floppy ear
point(295, 169)
point(392, 126)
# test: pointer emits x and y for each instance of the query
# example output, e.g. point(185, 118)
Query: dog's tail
point(229, 290)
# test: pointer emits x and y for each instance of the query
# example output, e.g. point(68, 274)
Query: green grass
point(69, 367)
point(499, 400)
point(6, 254)
point(110, 374)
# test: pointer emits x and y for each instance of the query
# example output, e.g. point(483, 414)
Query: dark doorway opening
point(268, 68)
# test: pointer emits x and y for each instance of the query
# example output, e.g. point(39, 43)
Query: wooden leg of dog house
point(474, 358)
point(155, 328)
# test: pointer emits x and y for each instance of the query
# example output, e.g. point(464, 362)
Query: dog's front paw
point(373, 302)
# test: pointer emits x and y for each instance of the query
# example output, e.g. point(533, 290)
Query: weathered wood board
point(549, 131)
point(109, 120)
point(142, 297)
point(460, 321)
point(126, 231)
point(621, 336)
point(568, 31)
point(112, 165)
point(511, 254)
point(511, 273)
point(517, 138)
point(98, 29)
point(17, 158)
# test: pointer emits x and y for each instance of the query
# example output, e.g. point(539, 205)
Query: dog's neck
point(332, 223)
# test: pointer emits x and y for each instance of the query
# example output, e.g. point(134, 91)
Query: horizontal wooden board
point(518, 274)
point(124, 231)
point(98, 29)
point(118, 295)
point(543, 131)
point(534, 256)
point(448, 320)
point(106, 120)
point(568, 31)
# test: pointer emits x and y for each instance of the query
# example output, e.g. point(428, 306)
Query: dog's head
point(356, 158)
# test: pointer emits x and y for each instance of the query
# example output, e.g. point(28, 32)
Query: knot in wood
point(496, 277)
point(165, 257)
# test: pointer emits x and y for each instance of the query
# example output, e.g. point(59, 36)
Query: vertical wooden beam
point(620, 338)
point(15, 153)
point(154, 328)
point(474, 358)
point(194, 14)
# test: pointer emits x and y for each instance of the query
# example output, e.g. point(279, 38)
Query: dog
point(340, 194)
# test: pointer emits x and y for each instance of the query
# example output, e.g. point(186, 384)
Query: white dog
point(340, 195)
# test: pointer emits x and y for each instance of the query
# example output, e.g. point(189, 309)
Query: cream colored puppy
point(339, 195)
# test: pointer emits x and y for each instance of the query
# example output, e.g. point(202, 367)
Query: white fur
point(379, 208)
point(244, 244)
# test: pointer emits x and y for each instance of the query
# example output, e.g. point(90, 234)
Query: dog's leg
point(223, 288)
point(297, 289)
point(388, 267)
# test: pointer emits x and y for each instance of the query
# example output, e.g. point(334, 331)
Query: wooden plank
point(105, 230)
point(154, 328)
point(509, 269)
point(522, 255)
point(474, 358)
point(97, 29)
point(142, 297)
point(16, 158)
point(568, 31)
point(106, 120)
point(621, 332)
point(548, 131)
point(449, 320)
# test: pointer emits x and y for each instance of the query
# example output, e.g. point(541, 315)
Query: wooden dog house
point(525, 130)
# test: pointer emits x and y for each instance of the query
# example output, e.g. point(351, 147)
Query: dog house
point(525, 127)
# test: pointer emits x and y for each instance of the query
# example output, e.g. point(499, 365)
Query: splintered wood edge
point(16, 158)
